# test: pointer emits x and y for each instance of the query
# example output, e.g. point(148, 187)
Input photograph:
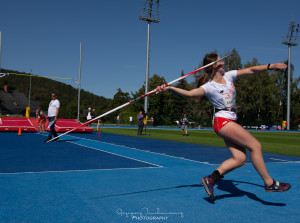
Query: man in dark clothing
point(140, 119)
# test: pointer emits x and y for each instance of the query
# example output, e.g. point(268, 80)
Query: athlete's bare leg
point(238, 158)
point(234, 134)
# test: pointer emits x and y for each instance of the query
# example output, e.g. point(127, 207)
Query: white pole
point(147, 69)
point(79, 82)
point(29, 89)
point(288, 91)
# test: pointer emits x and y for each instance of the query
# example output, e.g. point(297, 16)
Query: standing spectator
point(41, 122)
point(184, 124)
point(90, 115)
point(140, 119)
point(53, 111)
point(130, 120)
point(152, 121)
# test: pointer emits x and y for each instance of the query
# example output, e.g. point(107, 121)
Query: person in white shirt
point(217, 85)
point(130, 120)
point(90, 115)
point(53, 111)
point(184, 124)
point(118, 120)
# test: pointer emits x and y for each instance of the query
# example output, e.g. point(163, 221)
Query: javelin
point(139, 98)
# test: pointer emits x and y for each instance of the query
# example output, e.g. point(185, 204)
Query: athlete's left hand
point(278, 66)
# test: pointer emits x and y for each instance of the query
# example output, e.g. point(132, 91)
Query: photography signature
point(146, 214)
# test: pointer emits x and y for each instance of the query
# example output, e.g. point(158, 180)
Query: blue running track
point(84, 178)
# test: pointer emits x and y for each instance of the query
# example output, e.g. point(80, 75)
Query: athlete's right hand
point(161, 88)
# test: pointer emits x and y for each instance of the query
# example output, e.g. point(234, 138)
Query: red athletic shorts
point(220, 122)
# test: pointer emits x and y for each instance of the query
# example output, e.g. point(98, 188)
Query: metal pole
point(288, 90)
point(147, 69)
point(29, 89)
point(78, 111)
point(291, 41)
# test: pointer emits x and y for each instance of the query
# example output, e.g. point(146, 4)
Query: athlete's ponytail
point(202, 79)
point(209, 58)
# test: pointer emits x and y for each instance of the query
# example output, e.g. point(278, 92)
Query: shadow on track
point(145, 191)
point(230, 187)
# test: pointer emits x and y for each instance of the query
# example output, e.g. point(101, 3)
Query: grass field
point(284, 143)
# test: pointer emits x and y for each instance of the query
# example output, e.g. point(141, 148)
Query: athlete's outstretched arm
point(258, 69)
point(197, 92)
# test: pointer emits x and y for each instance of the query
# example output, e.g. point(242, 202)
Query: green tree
point(119, 99)
point(160, 105)
point(233, 62)
point(262, 98)
point(181, 104)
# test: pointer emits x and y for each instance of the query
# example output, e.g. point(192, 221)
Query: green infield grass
point(284, 143)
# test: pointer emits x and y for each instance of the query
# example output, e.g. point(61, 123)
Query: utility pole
point(291, 40)
point(149, 13)
point(79, 82)
point(29, 96)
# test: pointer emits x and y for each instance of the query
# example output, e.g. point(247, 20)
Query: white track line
point(207, 163)
point(88, 170)
point(116, 154)
point(147, 151)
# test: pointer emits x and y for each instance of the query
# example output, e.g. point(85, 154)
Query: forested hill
point(41, 88)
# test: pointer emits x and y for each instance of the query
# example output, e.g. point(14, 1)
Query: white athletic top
point(53, 105)
point(222, 96)
point(89, 116)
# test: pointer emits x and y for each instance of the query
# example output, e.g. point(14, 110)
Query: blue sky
point(44, 36)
